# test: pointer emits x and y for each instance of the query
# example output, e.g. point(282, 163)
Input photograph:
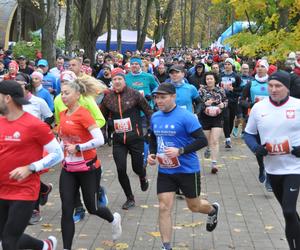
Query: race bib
point(259, 98)
point(166, 162)
point(212, 111)
point(122, 125)
point(226, 85)
point(278, 146)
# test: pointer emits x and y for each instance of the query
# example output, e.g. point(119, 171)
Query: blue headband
point(137, 60)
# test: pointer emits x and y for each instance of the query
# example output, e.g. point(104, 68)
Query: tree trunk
point(192, 23)
point(138, 21)
point(119, 25)
point(108, 25)
point(69, 27)
point(49, 32)
point(88, 32)
point(283, 18)
point(167, 18)
point(145, 25)
point(158, 27)
point(19, 21)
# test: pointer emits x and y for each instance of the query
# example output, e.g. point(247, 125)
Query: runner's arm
point(96, 142)
point(55, 156)
point(199, 142)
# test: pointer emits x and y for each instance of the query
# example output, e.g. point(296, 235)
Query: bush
point(27, 49)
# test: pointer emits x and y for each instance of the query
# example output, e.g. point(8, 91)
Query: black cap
point(281, 76)
point(165, 88)
point(22, 77)
point(21, 57)
point(14, 89)
point(177, 68)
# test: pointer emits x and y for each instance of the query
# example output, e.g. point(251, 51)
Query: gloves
point(262, 151)
point(296, 151)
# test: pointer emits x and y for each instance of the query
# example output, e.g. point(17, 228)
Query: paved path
point(250, 217)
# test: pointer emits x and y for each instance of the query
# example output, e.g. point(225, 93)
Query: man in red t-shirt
point(23, 138)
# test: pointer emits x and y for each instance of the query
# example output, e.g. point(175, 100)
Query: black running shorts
point(189, 184)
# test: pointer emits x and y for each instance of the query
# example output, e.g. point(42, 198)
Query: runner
point(276, 120)
point(176, 136)
point(19, 180)
point(124, 105)
point(214, 101)
point(80, 137)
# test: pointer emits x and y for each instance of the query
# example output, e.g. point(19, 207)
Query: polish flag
point(160, 46)
point(153, 48)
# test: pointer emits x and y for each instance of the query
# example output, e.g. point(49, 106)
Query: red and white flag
point(160, 46)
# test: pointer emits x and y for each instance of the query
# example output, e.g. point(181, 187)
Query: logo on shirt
point(290, 114)
point(15, 137)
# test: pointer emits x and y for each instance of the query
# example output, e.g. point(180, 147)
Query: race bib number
point(226, 85)
point(122, 125)
point(259, 98)
point(278, 146)
point(212, 111)
point(166, 162)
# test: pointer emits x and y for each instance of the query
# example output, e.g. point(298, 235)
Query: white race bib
point(166, 162)
point(122, 125)
point(226, 85)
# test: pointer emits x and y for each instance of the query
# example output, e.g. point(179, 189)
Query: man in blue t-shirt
point(176, 135)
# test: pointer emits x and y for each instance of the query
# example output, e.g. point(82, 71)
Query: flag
point(153, 48)
point(160, 46)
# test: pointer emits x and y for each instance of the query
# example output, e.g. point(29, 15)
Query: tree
point(274, 27)
point(142, 37)
point(69, 26)
point(119, 24)
point(90, 29)
point(192, 22)
point(108, 24)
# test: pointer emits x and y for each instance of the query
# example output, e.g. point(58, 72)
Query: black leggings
point(286, 191)
point(229, 114)
point(14, 218)
point(120, 152)
point(69, 184)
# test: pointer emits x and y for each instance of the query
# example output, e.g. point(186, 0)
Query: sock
point(167, 245)
point(228, 139)
point(213, 163)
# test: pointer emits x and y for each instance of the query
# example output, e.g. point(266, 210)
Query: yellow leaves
point(237, 230)
point(154, 234)
point(144, 206)
point(120, 246)
point(194, 224)
point(269, 227)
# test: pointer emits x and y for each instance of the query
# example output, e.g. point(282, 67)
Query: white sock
point(45, 246)
point(228, 139)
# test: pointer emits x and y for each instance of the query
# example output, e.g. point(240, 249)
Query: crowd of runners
point(157, 108)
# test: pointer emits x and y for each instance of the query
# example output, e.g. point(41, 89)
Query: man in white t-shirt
point(277, 121)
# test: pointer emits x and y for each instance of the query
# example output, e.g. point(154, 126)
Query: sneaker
point(235, 132)
point(35, 217)
point(51, 243)
point(212, 219)
point(207, 153)
point(116, 227)
point(228, 144)
point(163, 248)
point(79, 214)
point(214, 168)
point(44, 196)
point(262, 175)
point(144, 184)
point(103, 200)
point(268, 184)
point(128, 204)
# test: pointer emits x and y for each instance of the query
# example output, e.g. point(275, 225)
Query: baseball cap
point(14, 89)
point(281, 76)
point(21, 57)
point(22, 77)
point(165, 88)
point(177, 68)
point(42, 62)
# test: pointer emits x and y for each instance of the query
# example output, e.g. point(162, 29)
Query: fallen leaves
point(269, 227)
point(154, 234)
point(194, 224)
